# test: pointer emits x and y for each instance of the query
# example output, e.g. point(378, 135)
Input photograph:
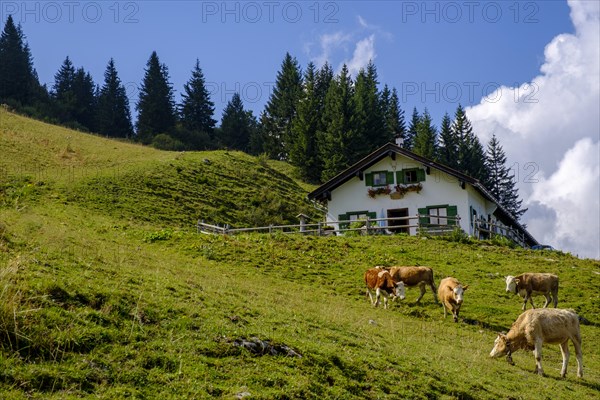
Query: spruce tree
point(337, 141)
point(63, 93)
point(411, 132)
point(425, 140)
point(156, 107)
point(447, 144)
point(394, 124)
point(501, 183)
point(470, 156)
point(281, 109)
point(237, 125)
point(306, 123)
point(197, 109)
point(84, 93)
point(18, 79)
point(113, 117)
point(368, 118)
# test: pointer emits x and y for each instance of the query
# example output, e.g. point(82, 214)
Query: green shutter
point(369, 179)
point(420, 175)
point(399, 177)
point(423, 220)
point(452, 211)
point(389, 178)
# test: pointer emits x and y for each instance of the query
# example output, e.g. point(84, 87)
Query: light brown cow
point(380, 281)
point(450, 293)
point(415, 276)
point(532, 283)
point(537, 326)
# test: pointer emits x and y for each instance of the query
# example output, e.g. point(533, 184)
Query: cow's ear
point(465, 287)
point(517, 281)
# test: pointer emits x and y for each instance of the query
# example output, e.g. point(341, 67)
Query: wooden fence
point(487, 230)
point(366, 226)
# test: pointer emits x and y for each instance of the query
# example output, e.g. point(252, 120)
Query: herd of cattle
point(531, 329)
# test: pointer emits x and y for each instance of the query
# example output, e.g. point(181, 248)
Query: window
point(380, 178)
point(345, 219)
point(410, 176)
point(438, 215)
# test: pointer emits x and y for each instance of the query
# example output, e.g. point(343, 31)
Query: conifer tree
point(425, 141)
point(18, 79)
point(501, 183)
point(63, 93)
point(394, 123)
point(113, 116)
point(368, 118)
point(447, 144)
point(84, 93)
point(197, 109)
point(411, 132)
point(281, 109)
point(237, 125)
point(156, 107)
point(337, 141)
point(306, 122)
point(471, 155)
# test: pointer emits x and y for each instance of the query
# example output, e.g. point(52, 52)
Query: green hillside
point(107, 291)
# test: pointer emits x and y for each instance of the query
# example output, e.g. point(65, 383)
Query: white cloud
point(549, 128)
point(337, 46)
point(329, 43)
point(363, 53)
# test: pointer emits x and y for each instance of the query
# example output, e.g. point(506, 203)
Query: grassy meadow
point(108, 292)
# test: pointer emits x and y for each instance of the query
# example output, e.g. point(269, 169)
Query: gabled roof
point(323, 192)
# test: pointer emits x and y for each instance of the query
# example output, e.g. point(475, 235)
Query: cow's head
point(458, 293)
point(400, 290)
point(511, 284)
point(500, 346)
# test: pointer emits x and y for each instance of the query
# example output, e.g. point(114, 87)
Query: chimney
point(399, 141)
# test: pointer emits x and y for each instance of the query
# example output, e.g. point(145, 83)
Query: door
point(398, 225)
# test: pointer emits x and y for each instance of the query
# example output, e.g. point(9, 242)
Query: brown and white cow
point(532, 283)
point(543, 325)
point(380, 281)
point(450, 293)
point(415, 276)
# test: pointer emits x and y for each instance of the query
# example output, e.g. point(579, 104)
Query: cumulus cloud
point(363, 53)
point(338, 45)
point(328, 43)
point(549, 128)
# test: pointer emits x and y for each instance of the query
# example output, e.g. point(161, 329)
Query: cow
point(542, 325)
point(531, 283)
point(415, 276)
point(380, 281)
point(450, 293)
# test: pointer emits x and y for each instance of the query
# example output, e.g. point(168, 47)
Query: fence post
point(271, 228)
point(319, 233)
point(367, 223)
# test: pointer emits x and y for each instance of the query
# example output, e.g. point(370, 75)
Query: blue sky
point(435, 53)
point(526, 71)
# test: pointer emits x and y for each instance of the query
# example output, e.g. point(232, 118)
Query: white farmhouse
point(411, 193)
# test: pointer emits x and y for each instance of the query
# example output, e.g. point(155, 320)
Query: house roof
point(323, 192)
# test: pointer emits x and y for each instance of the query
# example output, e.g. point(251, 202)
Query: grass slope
point(99, 300)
